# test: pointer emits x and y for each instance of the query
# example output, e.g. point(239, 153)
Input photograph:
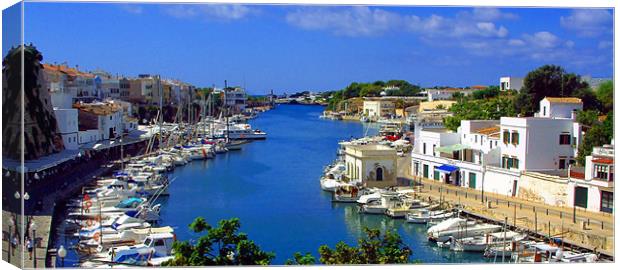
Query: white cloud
point(210, 11)
point(367, 21)
point(569, 44)
point(490, 14)
point(588, 22)
point(542, 39)
point(516, 42)
point(355, 21)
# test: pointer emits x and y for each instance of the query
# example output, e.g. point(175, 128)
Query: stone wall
point(40, 127)
point(548, 189)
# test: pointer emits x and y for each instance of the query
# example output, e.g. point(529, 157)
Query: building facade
point(371, 165)
point(492, 155)
point(592, 187)
point(378, 108)
point(510, 83)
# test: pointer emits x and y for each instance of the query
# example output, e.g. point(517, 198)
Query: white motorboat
point(239, 132)
point(422, 216)
point(462, 230)
point(126, 237)
point(388, 200)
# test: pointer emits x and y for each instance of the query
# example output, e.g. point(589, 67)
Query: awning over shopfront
point(447, 168)
point(448, 149)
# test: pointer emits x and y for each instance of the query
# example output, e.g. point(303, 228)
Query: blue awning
point(447, 168)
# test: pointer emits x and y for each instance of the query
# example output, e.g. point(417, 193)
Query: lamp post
point(62, 252)
point(33, 226)
point(11, 224)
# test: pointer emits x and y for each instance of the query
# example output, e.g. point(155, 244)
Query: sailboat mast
point(161, 112)
point(122, 133)
point(226, 109)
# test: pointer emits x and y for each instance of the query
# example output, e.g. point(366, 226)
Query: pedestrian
point(14, 244)
point(29, 247)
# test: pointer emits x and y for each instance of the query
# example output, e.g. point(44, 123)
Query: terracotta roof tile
point(603, 160)
point(563, 100)
point(488, 130)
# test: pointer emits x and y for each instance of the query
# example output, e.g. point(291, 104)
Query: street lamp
point(33, 226)
point(11, 224)
point(62, 252)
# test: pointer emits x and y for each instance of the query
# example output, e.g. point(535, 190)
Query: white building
point(592, 187)
point(565, 107)
point(510, 83)
point(377, 108)
point(106, 118)
point(498, 151)
point(372, 165)
point(446, 93)
point(110, 88)
point(67, 120)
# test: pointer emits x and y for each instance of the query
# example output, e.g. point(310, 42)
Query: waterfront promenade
point(594, 231)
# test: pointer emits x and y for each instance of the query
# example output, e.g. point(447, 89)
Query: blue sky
point(291, 48)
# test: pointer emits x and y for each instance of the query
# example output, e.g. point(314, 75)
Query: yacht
point(239, 132)
point(387, 200)
point(422, 216)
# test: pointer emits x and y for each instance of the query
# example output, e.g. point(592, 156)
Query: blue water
point(272, 186)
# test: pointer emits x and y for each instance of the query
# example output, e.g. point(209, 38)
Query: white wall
point(87, 136)
point(539, 142)
point(67, 120)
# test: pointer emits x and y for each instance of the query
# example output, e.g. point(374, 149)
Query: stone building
point(40, 127)
point(372, 165)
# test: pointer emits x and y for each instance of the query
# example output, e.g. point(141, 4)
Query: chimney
point(573, 115)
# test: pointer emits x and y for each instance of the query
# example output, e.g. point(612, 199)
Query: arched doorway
point(379, 172)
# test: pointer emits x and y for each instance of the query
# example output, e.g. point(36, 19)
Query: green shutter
point(581, 197)
point(472, 180)
point(425, 171)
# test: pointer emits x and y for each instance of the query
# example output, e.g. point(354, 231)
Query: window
point(544, 110)
point(510, 162)
point(607, 201)
point(564, 139)
point(506, 135)
point(562, 164)
point(424, 148)
point(476, 138)
point(159, 242)
point(379, 174)
point(515, 138)
point(601, 171)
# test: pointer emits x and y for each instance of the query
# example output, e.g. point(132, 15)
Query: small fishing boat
point(347, 194)
point(423, 216)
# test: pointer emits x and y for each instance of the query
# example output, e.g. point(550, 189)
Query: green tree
point(489, 92)
point(605, 95)
point(222, 245)
point(458, 96)
point(597, 135)
point(374, 248)
point(589, 99)
point(548, 80)
point(587, 118)
point(479, 109)
point(299, 259)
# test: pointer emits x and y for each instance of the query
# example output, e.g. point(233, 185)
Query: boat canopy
point(447, 168)
point(448, 149)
